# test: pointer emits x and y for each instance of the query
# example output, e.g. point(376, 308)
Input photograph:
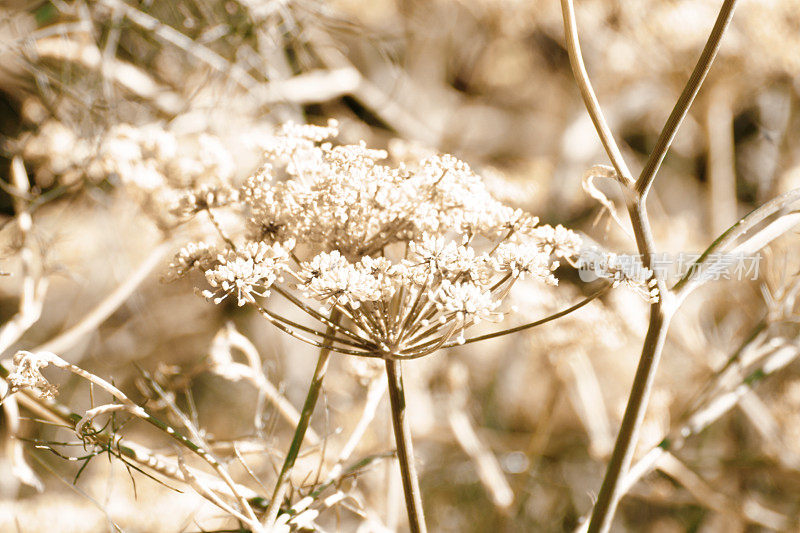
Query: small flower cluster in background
point(154, 164)
point(147, 156)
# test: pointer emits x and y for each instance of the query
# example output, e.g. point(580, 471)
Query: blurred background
point(115, 106)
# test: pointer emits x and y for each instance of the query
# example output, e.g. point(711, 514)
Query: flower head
point(26, 373)
point(247, 272)
point(408, 255)
point(525, 260)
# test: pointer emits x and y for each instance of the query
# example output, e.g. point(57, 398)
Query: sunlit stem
point(413, 310)
point(278, 322)
point(405, 449)
point(219, 229)
point(302, 424)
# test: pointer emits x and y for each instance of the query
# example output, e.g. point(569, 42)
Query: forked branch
point(636, 195)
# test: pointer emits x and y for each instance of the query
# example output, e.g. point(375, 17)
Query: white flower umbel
point(464, 302)
point(409, 256)
point(331, 278)
point(391, 262)
point(249, 271)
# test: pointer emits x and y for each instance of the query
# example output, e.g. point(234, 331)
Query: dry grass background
point(512, 434)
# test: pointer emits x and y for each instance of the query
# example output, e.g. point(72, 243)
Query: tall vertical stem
point(662, 310)
point(405, 449)
point(611, 489)
point(302, 424)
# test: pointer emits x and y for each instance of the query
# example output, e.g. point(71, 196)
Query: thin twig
point(724, 242)
point(717, 501)
point(488, 467)
point(176, 38)
point(14, 446)
point(124, 74)
point(265, 387)
point(721, 164)
point(375, 392)
point(51, 411)
point(107, 306)
point(196, 434)
point(205, 492)
point(587, 92)
point(685, 100)
point(34, 284)
point(575, 370)
point(136, 410)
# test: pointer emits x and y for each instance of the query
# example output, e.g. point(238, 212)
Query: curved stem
point(315, 314)
point(523, 327)
point(587, 93)
point(328, 338)
point(405, 450)
point(69, 338)
point(219, 229)
point(740, 228)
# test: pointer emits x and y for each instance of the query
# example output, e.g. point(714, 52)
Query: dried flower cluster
point(27, 372)
point(409, 256)
point(155, 164)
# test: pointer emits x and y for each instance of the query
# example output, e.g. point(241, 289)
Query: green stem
point(405, 449)
point(302, 424)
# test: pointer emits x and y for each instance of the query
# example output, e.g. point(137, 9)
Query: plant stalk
point(661, 311)
point(686, 98)
point(589, 96)
point(302, 424)
point(611, 489)
point(405, 449)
